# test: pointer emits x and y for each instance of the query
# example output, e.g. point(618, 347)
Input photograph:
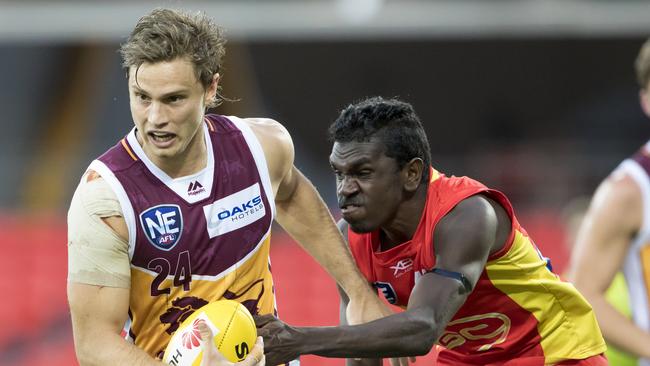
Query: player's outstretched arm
point(98, 277)
point(463, 240)
point(613, 218)
point(303, 214)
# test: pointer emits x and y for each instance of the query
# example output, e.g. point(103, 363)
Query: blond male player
point(178, 213)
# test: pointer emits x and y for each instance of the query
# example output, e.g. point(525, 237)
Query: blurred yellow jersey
point(617, 295)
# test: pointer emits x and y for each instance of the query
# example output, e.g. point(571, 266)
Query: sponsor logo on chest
point(402, 267)
point(162, 225)
point(234, 211)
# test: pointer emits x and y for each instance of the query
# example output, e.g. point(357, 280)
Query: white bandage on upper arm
point(96, 254)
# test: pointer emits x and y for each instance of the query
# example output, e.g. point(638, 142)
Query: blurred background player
point(449, 250)
point(178, 213)
point(617, 294)
point(615, 236)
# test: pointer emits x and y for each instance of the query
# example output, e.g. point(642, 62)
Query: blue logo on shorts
point(162, 225)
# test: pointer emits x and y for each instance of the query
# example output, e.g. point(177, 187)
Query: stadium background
point(535, 98)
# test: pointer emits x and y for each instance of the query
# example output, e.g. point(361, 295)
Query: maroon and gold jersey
point(518, 310)
point(193, 239)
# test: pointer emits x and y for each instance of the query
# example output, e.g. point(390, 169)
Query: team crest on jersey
point(162, 225)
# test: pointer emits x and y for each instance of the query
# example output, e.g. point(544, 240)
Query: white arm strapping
point(96, 254)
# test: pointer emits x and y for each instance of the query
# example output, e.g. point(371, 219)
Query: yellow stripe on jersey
point(566, 323)
point(434, 175)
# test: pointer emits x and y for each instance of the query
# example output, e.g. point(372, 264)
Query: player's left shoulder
point(276, 143)
point(268, 131)
point(475, 206)
point(274, 138)
point(473, 219)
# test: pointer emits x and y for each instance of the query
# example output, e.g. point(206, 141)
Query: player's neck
point(191, 160)
point(403, 226)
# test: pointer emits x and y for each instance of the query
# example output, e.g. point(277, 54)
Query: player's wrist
point(299, 340)
point(359, 291)
point(316, 340)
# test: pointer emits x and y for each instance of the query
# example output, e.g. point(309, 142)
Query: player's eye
point(142, 97)
point(175, 98)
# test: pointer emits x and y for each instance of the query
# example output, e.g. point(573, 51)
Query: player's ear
point(413, 171)
point(644, 99)
point(211, 92)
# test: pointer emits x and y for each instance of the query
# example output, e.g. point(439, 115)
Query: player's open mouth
point(349, 209)
point(161, 139)
point(161, 136)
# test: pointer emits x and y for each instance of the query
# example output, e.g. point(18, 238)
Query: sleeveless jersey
point(636, 266)
point(193, 239)
point(519, 310)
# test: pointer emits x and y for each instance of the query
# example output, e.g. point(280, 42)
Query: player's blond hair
point(166, 34)
point(642, 65)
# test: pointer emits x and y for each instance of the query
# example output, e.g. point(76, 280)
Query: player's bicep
point(612, 219)
point(287, 184)
point(462, 240)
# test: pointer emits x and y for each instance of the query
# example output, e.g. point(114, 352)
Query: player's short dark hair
point(166, 34)
point(642, 65)
point(393, 122)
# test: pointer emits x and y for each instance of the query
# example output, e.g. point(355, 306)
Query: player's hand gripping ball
point(233, 328)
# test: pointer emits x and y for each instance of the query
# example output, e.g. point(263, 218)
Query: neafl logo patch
point(235, 211)
point(162, 225)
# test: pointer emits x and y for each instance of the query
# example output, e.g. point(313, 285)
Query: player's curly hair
point(390, 120)
point(166, 34)
point(642, 65)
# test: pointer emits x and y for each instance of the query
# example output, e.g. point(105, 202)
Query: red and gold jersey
point(518, 310)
